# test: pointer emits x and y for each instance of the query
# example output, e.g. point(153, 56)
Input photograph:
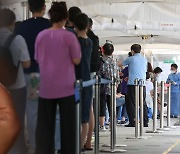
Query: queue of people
point(51, 54)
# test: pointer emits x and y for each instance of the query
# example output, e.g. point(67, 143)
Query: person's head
point(90, 23)
point(8, 19)
point(73, 12)
point(129, 54)
point(174, 68)
point(81, 22)
point(135, 48)
point(37, 6)
point(157, 71)
point(58, 12)
point(108, 49)
point(149, 69)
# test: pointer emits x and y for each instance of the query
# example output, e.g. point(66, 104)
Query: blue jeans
point(120, 104)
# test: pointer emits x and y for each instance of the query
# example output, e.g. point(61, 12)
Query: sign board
point(169, 61)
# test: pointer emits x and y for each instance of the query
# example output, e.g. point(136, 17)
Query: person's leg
point(45, 129)
point(145, 109)
point(19, 100)
point(31, 113)
point(68, 125)
point(130, 104)
point(57, 130)
point(91, 129)
point(102, 110)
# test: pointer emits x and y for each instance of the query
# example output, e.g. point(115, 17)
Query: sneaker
point(123, 123)
point(102, 128)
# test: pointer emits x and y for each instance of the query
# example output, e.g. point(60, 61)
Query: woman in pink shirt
point(56, 52)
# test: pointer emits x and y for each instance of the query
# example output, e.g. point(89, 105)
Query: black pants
point(130, 104)
point(45, 130)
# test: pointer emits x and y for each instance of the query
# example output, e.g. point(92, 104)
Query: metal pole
point(78, 120)
point(162, 105)
point(137, 109)
point(112, 116)
point(141, 100)
point(168, 105)
point(96, 149)
point(155, 107)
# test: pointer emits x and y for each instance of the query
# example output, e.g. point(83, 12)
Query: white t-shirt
point(149, 87)
point(19, 52)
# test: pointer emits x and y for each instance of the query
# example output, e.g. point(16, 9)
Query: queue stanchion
point(162, 108)
point(155, 91)
point(97, 101)
point(136, 83)
point(168, 105)
point(78, 85)
point(141, 100)
point(113, 122)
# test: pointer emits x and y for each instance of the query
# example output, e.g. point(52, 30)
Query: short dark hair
point(36, 5)
point(90, 22)
point(129, 54)
point(174, 65)
point(136, 48)
point(58, 12)
point(149, 69)
point(7, 17)
point(73, 12)
point(158, 70)
point(81, 21)
point(108, 48)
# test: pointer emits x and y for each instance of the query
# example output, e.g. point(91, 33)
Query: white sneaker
point(102, 128)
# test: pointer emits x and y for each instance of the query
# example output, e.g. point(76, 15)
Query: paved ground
point(161, 143)
point(167, 142)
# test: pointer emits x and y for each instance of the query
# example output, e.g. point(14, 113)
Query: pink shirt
point(54, 51)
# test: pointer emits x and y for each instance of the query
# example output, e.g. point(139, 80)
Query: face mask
point(172, 71)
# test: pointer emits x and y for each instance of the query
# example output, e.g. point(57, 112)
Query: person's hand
point(126, 79)
point(9, 124)
point(121, 74)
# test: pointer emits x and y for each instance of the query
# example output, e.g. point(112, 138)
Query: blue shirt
point(137, 67)
point(174, 77)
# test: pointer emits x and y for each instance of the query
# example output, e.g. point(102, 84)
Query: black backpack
point(8, 71)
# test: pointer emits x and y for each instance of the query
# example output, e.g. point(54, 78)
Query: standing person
point(107, 65)
point(81, 25)
point(21, 59)
point(94, 67)
point(137, 67)
point(56, 52)
point(29, 29)
point(174, 80)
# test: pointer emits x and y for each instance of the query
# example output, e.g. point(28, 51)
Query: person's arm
point(76, 61)
point(24, 53)
point(9, 124)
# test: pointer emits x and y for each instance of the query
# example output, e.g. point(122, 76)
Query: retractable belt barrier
point(78, 88)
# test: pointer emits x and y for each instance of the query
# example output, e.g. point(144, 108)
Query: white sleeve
point(23, 50)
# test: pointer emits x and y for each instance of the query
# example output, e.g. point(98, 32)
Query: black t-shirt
point(29, 29)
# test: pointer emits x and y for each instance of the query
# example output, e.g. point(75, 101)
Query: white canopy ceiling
point(153, 23)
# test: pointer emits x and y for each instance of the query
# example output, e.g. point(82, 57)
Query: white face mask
point(172, 71)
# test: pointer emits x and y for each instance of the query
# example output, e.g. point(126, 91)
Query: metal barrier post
point(78, 120)
point(136, 83)
point(97, 95)
point(162, 106)
point(141, 100)
point(154, 110)
point(113, 122)
point(168, 105)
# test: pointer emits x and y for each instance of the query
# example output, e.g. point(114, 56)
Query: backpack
point(8, 70)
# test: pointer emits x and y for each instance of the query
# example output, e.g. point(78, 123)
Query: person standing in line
point(174, 80)
point(81, 25)
point(21, 59)
point(137, 68)
point(56, 52)
point(29, 29)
